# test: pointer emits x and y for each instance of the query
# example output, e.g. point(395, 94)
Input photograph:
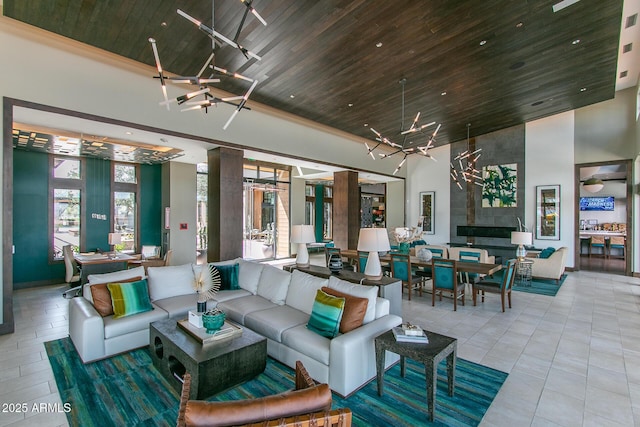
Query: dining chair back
point(597, 242)
point(401, 269)
point(167, 257)
point(499, 285)
point(469, 256)
point(445, 278)
point(617, 242)
point(436, 253)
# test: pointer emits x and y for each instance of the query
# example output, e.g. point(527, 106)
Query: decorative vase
point(404, 247)
point(335, 263)
point(213, 320)
point(202, 307)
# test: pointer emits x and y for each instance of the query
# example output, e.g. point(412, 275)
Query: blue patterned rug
point(541, 286)
point(126, 390)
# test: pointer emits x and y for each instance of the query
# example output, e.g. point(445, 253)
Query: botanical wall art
point(427, 200)
point(548, 212)
point(500, 185)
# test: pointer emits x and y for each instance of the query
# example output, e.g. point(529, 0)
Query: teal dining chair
point(445, 278)
point(466, 277)
point(498, 285)
point(401, 269)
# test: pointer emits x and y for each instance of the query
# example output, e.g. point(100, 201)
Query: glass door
point(261, 235)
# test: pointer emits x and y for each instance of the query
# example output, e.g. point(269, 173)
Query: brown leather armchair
point(309, 404)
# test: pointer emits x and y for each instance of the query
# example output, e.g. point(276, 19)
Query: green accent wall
point(319, 206)
point(31, 265)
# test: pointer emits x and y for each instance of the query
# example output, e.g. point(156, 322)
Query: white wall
point(182, 196)
point(424, 174)
point(549, 154)
point(394, 205)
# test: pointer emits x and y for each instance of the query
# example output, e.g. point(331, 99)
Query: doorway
point(604, 217)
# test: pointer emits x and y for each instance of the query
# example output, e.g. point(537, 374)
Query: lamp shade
point(373, 240)
point(521, 238)
point(115, 238)
point(302, 234)
point(593, 185)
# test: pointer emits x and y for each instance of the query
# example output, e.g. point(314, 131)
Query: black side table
point(431, 354)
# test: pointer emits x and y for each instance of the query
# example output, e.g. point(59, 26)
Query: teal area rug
point(126, 390)
point(541, 286)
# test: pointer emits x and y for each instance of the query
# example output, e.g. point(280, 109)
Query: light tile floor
point(573, 360)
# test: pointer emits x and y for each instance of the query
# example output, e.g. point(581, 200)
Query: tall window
point(125, 205)
point(309, 205)
point(65, 189)
point(202, 186)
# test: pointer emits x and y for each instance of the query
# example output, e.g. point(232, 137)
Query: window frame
point(125, 187)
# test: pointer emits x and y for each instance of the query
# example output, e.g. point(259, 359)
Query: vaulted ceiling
point(490, 63)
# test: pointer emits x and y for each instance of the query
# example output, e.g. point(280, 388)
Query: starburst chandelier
point(406, 147)
point(463, 166)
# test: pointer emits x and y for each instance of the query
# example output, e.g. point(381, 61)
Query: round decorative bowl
point(213, 322)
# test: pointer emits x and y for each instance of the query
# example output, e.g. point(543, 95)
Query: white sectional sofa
point(272, 302)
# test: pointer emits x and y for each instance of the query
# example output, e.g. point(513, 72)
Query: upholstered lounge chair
point(308, 405)
point(550, 268)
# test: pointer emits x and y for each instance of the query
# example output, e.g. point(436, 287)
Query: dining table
point(463, 266)
point(101, 262)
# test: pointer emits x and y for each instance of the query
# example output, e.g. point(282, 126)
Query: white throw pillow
point(249, 275)
point(302, 290)
point(274, 284)
point(362, 291)
point(113, 277)
point(170, 281)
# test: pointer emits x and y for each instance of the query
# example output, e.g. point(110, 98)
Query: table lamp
point(114, 239)
point(302, 234)
point(521, 238)
point(373, 240)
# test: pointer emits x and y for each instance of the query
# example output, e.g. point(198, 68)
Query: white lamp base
point(373, 270)
point(302, 259)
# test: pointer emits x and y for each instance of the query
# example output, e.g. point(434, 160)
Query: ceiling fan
point(406, 147)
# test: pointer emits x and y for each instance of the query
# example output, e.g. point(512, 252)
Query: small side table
point(523, 272)
point(431, 354)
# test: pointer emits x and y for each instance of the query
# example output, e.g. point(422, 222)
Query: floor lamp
point(302, 234)
point(373, 240)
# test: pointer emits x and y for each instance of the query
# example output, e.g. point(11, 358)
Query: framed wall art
point(500, 186)
point(548, 212)
point(427, 211)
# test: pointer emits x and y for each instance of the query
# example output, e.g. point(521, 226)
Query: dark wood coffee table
point(431, 354)
point(214, 367)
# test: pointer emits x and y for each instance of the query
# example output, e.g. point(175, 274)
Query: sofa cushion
point(305, 341)
point(129, 298)
point(274, 284)
point(249, 275)
point(361, 291)
point(274, 407)
point(138, 322)
point(179, 305)
point(272, 322)
point(302, 290)
point(169, 281)
point(354, 310)
point(326, 314)
point(102, 297)
point(113, 277)
point(230, 276)
point(237, 309)
point(227, 295)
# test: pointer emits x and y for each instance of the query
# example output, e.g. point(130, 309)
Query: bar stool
point(597, 242)
point(617, 242)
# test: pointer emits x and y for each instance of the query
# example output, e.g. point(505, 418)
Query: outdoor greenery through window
point(65, 187)
point(125, 174)
point(125, 206)
point(202, 186)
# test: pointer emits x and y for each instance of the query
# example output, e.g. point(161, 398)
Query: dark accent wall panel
point(506, 146)
point(97, 199)
point(225, 204)
point(151, 212)
point(346, 209)
point(319, 212)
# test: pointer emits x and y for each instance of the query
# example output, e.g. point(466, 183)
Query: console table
point(389, 288)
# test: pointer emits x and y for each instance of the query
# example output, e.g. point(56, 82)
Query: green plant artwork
point(500, 185)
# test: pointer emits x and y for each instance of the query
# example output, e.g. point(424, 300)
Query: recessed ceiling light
point(379, 44)
point(583, 89)
point(519, 24)
point(129, 132)
point(443, 93)
point(163, 24)
point(292, 96)
point(483, 42)
point(366, 124)
point(350, 104)
point(576, 41)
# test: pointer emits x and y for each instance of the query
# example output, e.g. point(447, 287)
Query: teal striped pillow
point(326, 314)
point(129, 298)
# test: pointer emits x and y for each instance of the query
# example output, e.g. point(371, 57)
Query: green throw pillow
point(229, 276)
point(326, 314)
point(129, 298)
point(546, 253)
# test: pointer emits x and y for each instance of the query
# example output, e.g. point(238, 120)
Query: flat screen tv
point(596, 203)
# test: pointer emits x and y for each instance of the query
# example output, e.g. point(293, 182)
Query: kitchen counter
point(585, 234)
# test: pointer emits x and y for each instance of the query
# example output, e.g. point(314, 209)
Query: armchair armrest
point(86, 329)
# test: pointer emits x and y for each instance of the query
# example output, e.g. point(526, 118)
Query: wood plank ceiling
point(500, 63)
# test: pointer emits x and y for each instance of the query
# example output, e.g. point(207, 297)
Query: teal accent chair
point(426, 271)
point(401, 269)
point(445, 278)
point(497, 285)
point(468, 256)
point(362, 260)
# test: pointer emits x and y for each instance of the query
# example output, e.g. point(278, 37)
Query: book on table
point(400, 336)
